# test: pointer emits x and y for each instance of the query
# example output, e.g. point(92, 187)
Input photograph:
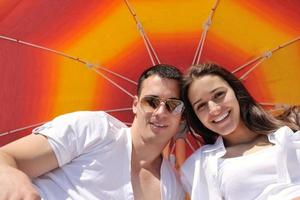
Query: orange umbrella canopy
point(38, 84)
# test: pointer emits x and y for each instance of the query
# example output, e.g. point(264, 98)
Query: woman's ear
point(134, 104)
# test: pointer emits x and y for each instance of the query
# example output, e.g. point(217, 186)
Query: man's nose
point(214, 108)
point(161, 109)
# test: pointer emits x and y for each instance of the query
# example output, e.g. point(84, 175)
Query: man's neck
point(138, 164)
point(145, 177)
point(145, 155)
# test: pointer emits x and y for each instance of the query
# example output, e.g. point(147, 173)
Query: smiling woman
point(216, 105)
point(240, 135)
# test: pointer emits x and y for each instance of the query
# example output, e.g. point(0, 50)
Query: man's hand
point(16, 185)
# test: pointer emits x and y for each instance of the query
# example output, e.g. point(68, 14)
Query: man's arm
point(32, 154)
point(22, 160)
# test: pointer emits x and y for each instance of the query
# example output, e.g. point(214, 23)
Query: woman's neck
point(242, 135)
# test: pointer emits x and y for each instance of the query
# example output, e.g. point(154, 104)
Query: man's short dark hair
point(163, 71)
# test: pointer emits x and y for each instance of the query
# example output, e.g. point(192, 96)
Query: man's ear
point(183, 117)
point(183, 129)
point(134, 104)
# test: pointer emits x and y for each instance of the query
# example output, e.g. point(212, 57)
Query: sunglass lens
point(150, 103)
point(174, 106)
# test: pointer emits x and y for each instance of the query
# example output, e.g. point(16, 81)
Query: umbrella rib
point(118, 110)
point(201, 47)
point(173, 148)
point(197, 50)
point(21, 129)
point(42, 47)
point(114, 83)
point(189, 144)
point(246, 64)
point(243, 77)
point(116, 74)
point(149, 47)
point(206, 25)
point(38, 124)
point(265, 55)
point(89, 65)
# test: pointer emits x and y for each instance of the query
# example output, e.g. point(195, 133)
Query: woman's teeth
point(221, 117)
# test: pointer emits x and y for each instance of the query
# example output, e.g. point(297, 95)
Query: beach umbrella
point(63, 56)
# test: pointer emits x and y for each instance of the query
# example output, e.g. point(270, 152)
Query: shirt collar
point(217, 148)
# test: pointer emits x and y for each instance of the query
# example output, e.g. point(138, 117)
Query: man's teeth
point(221, 117)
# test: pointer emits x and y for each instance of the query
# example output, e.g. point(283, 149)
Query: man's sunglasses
point(151, 103)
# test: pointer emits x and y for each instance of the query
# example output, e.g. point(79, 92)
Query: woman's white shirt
point(272, 173)
point(254, 172)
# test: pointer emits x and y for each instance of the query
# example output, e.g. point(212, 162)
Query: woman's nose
point(214, 108)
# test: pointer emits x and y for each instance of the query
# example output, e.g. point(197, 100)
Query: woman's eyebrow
point(199, 100)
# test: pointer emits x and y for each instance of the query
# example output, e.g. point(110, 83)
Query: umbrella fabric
point(37, 85)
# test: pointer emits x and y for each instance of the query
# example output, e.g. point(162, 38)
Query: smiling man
point(92, 155)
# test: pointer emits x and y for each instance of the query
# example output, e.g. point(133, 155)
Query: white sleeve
point(187, 174)
point(193, 176)
point(170, 184)
point(71, 134)
point(296, 143)
point(296, 139)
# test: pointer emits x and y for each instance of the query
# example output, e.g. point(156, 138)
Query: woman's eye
point(200, 106)
point(219, 95)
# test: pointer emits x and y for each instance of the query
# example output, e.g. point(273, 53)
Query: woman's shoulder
point(284, 130)
point(199, 155)
point(283, 134)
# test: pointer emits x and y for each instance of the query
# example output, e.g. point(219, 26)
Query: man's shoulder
point(90, 117)
point(77, 115)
